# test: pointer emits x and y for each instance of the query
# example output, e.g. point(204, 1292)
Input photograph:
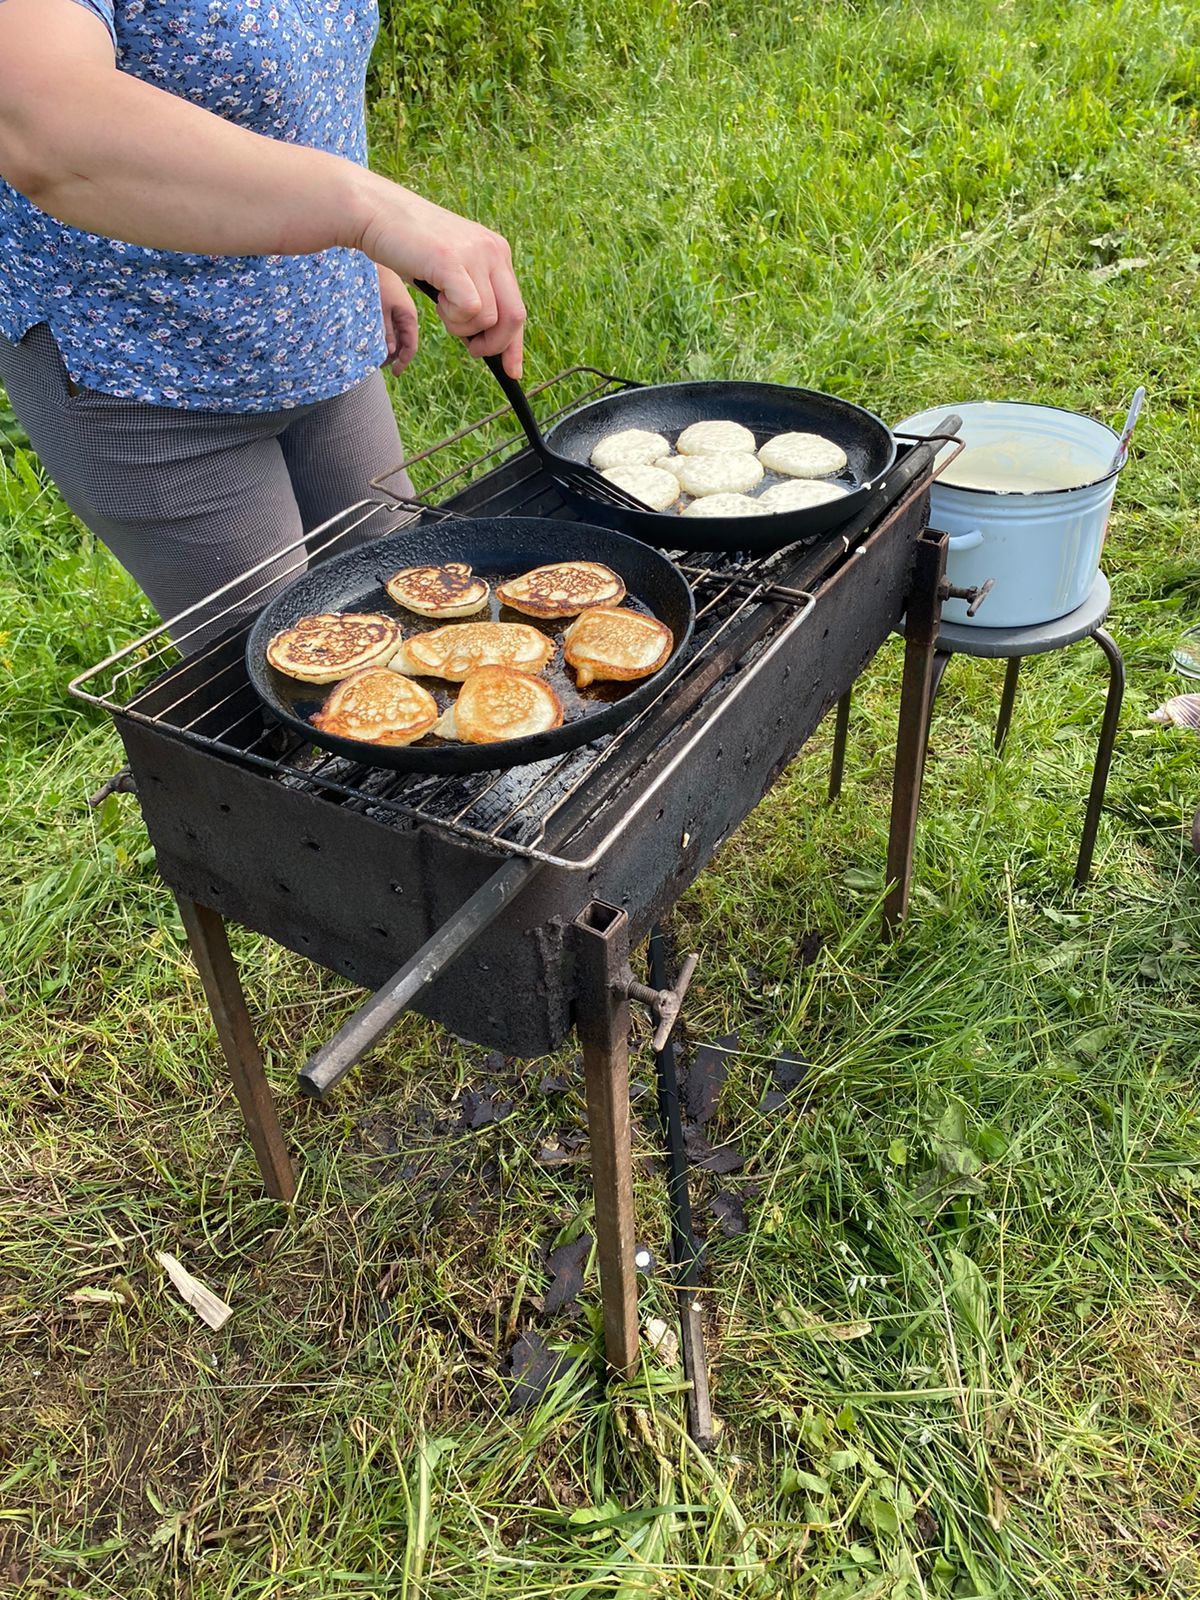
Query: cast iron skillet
point(497, 548)
point(764, 408)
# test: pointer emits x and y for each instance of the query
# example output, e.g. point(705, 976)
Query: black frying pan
point(497, 548)
point(764, 408)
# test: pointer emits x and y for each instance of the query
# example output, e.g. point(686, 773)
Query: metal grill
point(746, 607)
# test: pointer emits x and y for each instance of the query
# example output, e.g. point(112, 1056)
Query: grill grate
point(744, 609)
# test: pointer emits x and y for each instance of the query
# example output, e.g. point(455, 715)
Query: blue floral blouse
point(213, 333)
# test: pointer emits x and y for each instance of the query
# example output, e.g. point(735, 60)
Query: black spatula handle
point(513, 391)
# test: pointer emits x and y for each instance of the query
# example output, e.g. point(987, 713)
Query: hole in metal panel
point(600, 917)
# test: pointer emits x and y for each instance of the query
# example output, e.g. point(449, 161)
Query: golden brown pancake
point(461, 647)
point(377, 706)
point(562, 589)
point(497, 703)
point(610, 642)
point(329, 646)
point(449, 591)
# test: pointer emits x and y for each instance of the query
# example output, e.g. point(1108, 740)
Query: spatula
point(568, 474)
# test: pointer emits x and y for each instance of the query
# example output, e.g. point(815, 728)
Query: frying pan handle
point(513, 391)
point(950, 424)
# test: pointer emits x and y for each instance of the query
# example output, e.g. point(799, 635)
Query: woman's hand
point(399, 320)
point(471, 267)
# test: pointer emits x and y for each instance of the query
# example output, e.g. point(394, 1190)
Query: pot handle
point(971, 540)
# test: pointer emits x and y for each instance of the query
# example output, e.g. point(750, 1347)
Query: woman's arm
point(103, 151)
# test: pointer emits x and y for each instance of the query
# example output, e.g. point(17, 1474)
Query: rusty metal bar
point(686, 1251)
point(602, 1022)
point(841, 729)
point(223, 989)
point(372, 1020)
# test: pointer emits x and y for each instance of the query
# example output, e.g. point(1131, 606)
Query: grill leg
point(685, 1248)
point(841, 727)
point(912, 736)
point(218, 974)
point(1104, 753)
point(602, 1021)
point(1007, 701)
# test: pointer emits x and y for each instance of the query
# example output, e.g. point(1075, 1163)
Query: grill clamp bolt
point(974, 596)
point(664, 1005)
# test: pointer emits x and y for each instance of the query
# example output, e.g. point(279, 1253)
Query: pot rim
point(1020, 494)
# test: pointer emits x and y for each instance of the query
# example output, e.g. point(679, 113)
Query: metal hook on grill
point(664, 1005)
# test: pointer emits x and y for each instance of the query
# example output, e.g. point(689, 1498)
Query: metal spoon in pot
point(1131, 416)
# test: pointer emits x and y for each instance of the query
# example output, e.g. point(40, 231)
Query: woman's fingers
point(484, 307)
point(470, 266)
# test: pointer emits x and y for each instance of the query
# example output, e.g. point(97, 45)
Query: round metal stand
point(1014, 644)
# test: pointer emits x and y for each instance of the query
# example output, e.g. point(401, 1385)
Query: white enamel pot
point(1040, 545)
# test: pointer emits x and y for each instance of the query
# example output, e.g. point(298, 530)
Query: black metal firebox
point(504, 904)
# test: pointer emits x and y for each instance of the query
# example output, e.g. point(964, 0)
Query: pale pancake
point(797, 494)
point(726, 505)
point(377, 706)
point(497, 703)
point(716, 438)
point(630, 444)
point(562, 589)
point(330, 645)
point(454, 651)
point(449, 591)
point(732, 473)
point(611, 643)
point(653, 486)
point(802, 455)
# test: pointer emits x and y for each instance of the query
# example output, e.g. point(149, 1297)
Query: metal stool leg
point(837, 762)
point(1007, 700)
point(1104, 753)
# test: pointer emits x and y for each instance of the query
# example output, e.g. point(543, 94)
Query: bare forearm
point(118, 157)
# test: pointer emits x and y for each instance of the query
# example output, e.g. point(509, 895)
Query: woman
point(199, 278)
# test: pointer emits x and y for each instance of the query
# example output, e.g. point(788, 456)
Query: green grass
point(996, 1165)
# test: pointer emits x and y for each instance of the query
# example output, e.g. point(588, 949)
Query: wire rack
point(744, 613)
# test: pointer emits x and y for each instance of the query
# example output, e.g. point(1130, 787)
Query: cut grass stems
point(955, 1353)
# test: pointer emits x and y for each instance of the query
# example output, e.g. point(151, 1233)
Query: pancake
point(653, 486)
point(330, 645)
point(731, 473)
point(462, 647)
point(497, 703)
point(726, 505)
point(630, 444)
point(797, 494)
point(669, 464)
point(610, 643)
point(562, 589)
point(448, 591)
point(716, 438)
point(377, 706)
point(803, 455)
